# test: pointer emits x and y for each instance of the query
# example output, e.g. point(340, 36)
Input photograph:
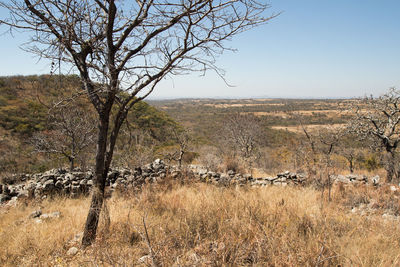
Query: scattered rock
point(35, 214)
point(77, 239)
point(13, 202)
point(146, 259)
point(72, 251)
point(52, 215)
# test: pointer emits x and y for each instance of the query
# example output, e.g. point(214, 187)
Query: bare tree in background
point(349, 147)
point(319, 145)
point(329, 139)
point(379, 119)
point(72, 130)
point(182, 139)
point(123, 49)
point(242, 132)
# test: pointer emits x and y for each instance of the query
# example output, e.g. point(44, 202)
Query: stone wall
point(75, 183)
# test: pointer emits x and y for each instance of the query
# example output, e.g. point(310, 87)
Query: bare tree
point(72, 130)
point(182, 139)
point(349, 147)
point(329, 140)
point(379, 119)
point(123, 49)
point(319, 146)
point(242, 132)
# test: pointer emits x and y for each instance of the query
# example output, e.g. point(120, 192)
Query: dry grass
point(309, 127)
point(204, 225)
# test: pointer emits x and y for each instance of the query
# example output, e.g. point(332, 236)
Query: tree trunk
point(351, 165)
point(92, 221)
point(72, 163)
point(390, 166)
point(180, 158)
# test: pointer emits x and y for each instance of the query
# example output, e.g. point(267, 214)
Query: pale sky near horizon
point(315, 48)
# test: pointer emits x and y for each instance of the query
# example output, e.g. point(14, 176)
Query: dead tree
point(242, 132)
point(379, 120)
point(123, 49)
point(329, 139)
point(71, 131)
point(182, 139)
point(349, 147)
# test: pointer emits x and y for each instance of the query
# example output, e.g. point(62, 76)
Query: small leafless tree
point(329, 139)
point(72, 130)
point(379, 119)
point(349, 147)
point(182, 139)
point(242, 133)
point(319, 146)
point(123, 49)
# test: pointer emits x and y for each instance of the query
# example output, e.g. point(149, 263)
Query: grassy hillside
point(26, 103)
point(23, 100)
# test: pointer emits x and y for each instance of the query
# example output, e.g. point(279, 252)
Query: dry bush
point(204, 225)
point(233, 164)
point(380, 199)
point(209, 157)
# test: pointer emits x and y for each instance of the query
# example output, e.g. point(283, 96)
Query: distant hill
point(27, 101)
point(23, 100)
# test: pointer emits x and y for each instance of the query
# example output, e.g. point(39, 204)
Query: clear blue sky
point(315, 48)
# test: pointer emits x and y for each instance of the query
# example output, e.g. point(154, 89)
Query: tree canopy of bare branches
point(242, 132)
point(123, 49)
point(379, 119)
point(72, 130)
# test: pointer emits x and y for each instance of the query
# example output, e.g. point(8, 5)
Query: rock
point(146, 259)
point(175, 174)
point(6, 190)
point(13, 202)
point(48, 186)
point(59, 184)
point(72, 251)
point(69, 177)
point(387, 216)
point(194, 258)
point(375, 180)
point(231, 173)
point(31, 190)
point(393, 188)
point(52, 215)
point(77, 238)
point(248, 177)
point(75, 189)
point(23, 194)
point(35, 214)
point(137, 171)
point(4, 198)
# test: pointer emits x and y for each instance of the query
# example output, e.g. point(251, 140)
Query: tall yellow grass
point(204, 225)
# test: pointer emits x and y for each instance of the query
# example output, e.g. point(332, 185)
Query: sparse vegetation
point(200, 224)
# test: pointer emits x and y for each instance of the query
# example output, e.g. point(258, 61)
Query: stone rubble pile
point(233, 178)
point(354, 179)
point(75, 183)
